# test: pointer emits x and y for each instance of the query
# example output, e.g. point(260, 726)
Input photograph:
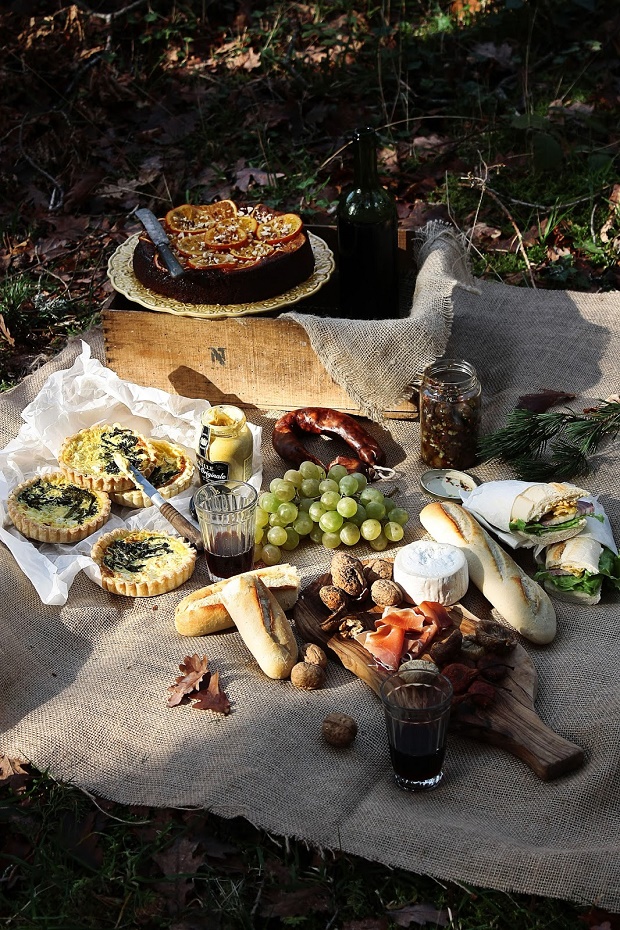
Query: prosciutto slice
point(408, 630)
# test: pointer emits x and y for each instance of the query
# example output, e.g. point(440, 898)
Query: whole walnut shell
point(380, 568)
point(312, 653)
point(386, 593)
point(339, 729)
point(333, 597)
point(348, 574)
point(307, 675)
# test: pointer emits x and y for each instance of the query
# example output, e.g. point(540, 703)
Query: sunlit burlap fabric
point(83, 686)
point(378, 361)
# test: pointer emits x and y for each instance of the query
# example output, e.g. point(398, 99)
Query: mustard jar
point(225, 444)
point(450, 412)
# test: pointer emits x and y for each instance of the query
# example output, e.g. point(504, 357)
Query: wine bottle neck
point(365, 158)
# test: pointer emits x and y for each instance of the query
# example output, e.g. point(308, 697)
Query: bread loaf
point(518, 598)
point(263, 625)
point(203, 611)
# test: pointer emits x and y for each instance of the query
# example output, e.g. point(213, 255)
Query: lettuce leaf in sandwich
point(576, 569)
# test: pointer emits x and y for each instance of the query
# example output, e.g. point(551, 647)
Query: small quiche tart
point(87, 458)
point(142, 563)
point(49, 508)
point(171, 474)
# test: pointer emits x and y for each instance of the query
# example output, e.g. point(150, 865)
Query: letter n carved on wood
point(218, 354)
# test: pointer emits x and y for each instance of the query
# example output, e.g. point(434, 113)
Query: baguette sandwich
point(263, 625)
point(518, 598)
point(203, 611)
point(576, 569)
point(549, 513)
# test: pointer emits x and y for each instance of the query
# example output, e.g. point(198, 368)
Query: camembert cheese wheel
point(430, 571)
point(142, 563)
point(172, 473)
point(87, 457)
point(51, 509)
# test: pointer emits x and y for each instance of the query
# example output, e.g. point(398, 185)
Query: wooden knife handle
point(182, 526)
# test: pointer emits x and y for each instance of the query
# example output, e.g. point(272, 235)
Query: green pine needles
point(554, 445)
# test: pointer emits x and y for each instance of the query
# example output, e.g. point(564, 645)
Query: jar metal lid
point(447, 483)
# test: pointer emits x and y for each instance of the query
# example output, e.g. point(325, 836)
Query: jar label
point(212, 471)
point(203, 440)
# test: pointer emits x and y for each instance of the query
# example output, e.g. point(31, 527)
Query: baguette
point(203, 611)
point(263, 625)
point(519, 599)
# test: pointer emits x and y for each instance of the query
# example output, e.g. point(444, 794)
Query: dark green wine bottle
point(367, 239)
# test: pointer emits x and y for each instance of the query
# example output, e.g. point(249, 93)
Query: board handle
point(182, 526)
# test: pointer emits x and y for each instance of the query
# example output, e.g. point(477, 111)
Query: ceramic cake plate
point(121, 274)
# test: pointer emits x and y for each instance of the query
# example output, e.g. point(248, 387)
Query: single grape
point(347, 506)
point(316, 533)
point(273, 484)
point(310, 487)
point(310, 470)
point(331, 521)
point(304, 503)
point(398, 515)
point(262, 517)
point(270, 555)
point(361, 479)
point(331, 540)
point(371, 494)
point(288, 512)
point(328, 485)
point(375, 510)
point(379, 543)
point(276, 535)
point(292, 539)
point(316, 511)
point(284, 490)
point(349, 534)
point(348, 486)
point(337, 472)
point(359, 516)
point(295, 477)
point(393, 531)
point(389, 504)
point(258, 535)
point(330, 499)
point(303, 524)
point(268, 502)
point(370, 529)
point(276, 520)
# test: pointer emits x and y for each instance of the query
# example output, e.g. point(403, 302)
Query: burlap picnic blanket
point(83, 685)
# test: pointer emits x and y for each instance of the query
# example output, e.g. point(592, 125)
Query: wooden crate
point(255, 362)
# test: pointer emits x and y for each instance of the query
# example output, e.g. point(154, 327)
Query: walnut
point(348, 574)
point(339, 729)
point(380, 568)
point(386, 593)
point(307, 675)
point(333, 597)
point(314, 654)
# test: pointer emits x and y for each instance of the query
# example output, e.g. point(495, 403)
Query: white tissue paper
point(491, 504)
point(85, 395)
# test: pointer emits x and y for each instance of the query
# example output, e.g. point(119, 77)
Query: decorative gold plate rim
point(123, 279)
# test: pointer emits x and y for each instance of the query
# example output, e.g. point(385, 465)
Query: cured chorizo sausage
point(324, 420)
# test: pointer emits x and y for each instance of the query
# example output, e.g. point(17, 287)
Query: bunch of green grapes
point(332, 509)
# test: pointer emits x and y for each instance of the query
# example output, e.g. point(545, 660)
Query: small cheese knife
point(160, 240)
point(172, 515)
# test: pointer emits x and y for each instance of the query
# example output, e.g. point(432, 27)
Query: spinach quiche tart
point(142, 563)
point(87, 457)
point(50, 508)
point(172, 473)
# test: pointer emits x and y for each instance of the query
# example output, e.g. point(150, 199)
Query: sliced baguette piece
point(518, 598)
point(263, 625)
point(203, 611)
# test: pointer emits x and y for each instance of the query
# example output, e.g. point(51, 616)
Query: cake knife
point(172, 515)
point(160, 240)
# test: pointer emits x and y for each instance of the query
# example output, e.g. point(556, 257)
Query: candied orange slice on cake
point(279, 228)
point(226, 235)
point(189, 218)
point(252, 252)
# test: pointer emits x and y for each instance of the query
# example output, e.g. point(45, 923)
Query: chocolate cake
point(230, 255)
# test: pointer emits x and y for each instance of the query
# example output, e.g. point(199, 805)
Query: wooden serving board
point(510, 723)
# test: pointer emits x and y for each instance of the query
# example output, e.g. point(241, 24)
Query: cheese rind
point(430, 571)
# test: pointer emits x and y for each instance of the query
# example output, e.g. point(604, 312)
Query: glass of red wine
point(416, 702)
point(226, 512)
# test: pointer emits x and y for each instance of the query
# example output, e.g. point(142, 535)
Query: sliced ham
point(389, 641)
point(407, 618)
point(385, 643)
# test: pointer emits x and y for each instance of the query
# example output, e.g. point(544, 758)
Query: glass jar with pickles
point(450, 414)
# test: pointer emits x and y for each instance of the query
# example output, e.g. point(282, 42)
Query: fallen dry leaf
point(194, 669)
point(420, 914)
point(298, 903)
point(539, 403)
point(212, 697)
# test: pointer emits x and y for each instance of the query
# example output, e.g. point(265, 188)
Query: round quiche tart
point(50, 508)
point(142, 563)
point(230, 254)
point(172, 473)
point(87, 457)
